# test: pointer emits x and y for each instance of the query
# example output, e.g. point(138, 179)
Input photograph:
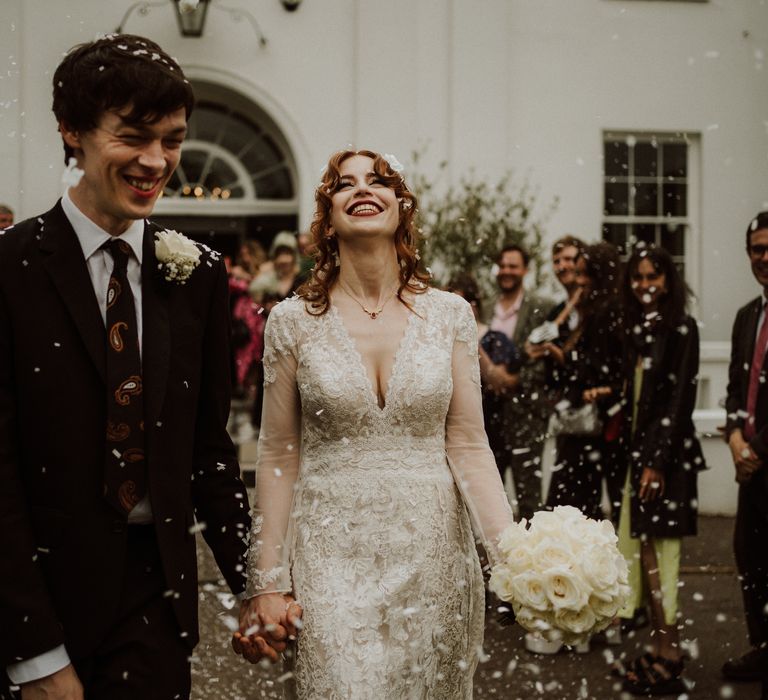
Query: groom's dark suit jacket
point(62, 546)
point(742, 348)
point(751, 529)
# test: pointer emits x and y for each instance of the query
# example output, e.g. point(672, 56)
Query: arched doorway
point(237, 177)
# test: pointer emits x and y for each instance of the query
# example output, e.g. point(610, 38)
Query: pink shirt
point(505, 320)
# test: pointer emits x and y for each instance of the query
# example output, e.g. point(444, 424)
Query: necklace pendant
point(373, 314)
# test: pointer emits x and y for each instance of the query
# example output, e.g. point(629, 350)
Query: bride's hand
point(267, 622)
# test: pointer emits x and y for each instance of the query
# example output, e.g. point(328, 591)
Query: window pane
point(616, 198)
point(644, 232)
point(675, 159)
point(276, 185)
point(645, 199)
point(616, 158)
point(616, 234)
point(193, 162)
point(673, 239)
point(219, 177)
point(674, 200)
point(646, 159)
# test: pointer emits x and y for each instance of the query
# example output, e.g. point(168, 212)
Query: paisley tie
point(125, 468)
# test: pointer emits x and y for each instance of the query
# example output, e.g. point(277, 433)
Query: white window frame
point(691, 221)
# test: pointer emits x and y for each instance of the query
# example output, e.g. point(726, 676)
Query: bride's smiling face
point(362, 205)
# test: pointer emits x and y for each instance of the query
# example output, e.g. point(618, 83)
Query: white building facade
point(645, 118)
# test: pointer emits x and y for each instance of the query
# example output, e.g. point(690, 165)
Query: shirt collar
point(92, 236)
point(501, 312)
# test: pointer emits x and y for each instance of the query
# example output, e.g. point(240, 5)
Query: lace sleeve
point(278, 461)
point(469, 455)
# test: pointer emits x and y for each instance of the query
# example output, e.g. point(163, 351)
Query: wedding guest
point(281, 279)
point(517, 423)
point(6, 216)
point(664, 457)
point(114, 395)
point(747, 435)
point(306, 254)
point(250, 259)
point(371, 455)
point(498, 357)
point(591, 375)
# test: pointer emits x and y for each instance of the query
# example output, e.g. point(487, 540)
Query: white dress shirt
point(100, 265)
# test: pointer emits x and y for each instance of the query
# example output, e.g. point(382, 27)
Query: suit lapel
point(156, 336)
point(748, 339)
point(521, 327)
point(64, 262)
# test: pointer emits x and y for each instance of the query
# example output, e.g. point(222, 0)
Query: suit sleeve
point(735, 402)
point(218, 494)
point(29, 625)
point(533, 373)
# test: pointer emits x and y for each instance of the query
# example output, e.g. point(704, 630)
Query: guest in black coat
point(663, 455)
point(589, 371)
point(747, 435)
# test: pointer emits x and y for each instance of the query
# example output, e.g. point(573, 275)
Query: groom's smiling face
point(126, 165)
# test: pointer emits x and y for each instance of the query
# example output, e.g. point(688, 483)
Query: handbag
point(583, 420)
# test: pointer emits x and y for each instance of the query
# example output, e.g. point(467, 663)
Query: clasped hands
point(268, 623)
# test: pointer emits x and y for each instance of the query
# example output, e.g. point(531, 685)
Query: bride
point(371, 455)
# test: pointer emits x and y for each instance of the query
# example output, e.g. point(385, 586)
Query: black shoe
point(746, 668)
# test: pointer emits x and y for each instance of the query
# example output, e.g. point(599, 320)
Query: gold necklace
point(373, 314)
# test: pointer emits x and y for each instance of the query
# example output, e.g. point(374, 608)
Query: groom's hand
point(62, 685)
point(267, 623)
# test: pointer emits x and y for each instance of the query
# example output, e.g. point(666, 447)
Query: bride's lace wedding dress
point(362, 511)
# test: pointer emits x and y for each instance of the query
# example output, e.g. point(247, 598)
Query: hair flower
point(177, 255)
point(394, 163)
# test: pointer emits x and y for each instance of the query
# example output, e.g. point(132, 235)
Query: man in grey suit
point(516, 420)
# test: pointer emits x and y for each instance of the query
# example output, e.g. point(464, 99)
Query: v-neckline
point(355, 352)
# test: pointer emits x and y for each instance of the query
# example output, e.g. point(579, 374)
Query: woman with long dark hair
point(664, 456)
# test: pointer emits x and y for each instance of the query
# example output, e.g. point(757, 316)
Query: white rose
point(519, 560)
point(540, 622)
point(600, 567)
point(549, 553)
point(527, 589)
point(605, 610)
point(513, 538)
point(170, 244)
point(501, 583)
point(564, 588)
point(576, 621)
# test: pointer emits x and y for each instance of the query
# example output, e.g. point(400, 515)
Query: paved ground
point(710, 601)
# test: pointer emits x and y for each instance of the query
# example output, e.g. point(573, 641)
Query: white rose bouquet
point(562, 573)
point(177, 255)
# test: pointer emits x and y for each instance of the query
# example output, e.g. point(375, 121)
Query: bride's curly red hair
point(316, 290)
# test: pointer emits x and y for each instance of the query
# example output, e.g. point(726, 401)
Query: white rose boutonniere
point(178, 255)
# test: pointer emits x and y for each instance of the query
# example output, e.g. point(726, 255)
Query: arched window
point(237, 176)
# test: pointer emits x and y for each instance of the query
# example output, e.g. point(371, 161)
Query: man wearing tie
point(114, 396)
point(747, 435)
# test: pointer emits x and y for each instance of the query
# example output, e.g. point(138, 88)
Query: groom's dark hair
point(113, 73)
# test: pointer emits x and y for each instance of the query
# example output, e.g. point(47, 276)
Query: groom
point(114, 396)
